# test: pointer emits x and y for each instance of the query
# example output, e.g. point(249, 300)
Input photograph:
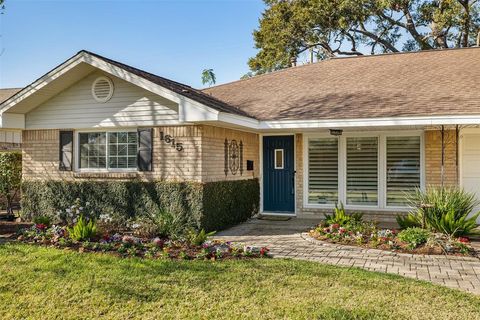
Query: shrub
point(442, 210)
point(83, 230)
point(227, 203)
point(10, 177)
point(165, 224)
point(211, 206)
point(340, 217)
point(414, 237)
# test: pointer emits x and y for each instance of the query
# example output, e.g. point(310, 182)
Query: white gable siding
point(75, 107)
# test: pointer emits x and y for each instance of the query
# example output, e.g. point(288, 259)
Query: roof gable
point(194, 105)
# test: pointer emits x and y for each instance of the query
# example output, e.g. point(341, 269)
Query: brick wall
point(213, 156)
point(433, 157)
point(40, 153)
point(201, 160)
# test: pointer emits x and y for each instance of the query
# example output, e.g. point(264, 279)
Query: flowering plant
point(70, 215)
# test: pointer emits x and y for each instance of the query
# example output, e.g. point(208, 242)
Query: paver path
point(287, 239)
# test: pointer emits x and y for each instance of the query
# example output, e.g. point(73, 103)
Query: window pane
point(403, 168)
point(323, 171)
point(92, 150)
point(278, 158)
point(122, 150)
point(362, 171)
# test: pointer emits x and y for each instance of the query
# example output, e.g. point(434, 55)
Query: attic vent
point(102, 89)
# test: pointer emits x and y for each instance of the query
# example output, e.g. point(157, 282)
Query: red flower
point(335, 226)
point(264, 251)
point(463, 240)
point(41, 226)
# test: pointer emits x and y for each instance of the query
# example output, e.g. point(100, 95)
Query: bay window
point(107, 150)
point(378, 170)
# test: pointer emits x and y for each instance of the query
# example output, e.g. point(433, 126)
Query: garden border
point(307, 237)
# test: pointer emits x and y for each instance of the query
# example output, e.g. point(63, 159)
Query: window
point(108, 150)
point(403, 168)
point(377, 171)
point(323, 171)
point(279, 159)
point(93, 150)
point(362, 171)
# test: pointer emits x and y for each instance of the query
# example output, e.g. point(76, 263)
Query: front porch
point(369, 170)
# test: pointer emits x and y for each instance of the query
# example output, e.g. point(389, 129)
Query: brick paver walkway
point(287, 239)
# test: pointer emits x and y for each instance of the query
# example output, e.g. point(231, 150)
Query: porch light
point(336, 132)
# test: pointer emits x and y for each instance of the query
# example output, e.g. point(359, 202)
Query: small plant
point(83, 230)
point(70, 215)
point(165, 224)
point(444, 210)
point(198, 238)
point(414, 237)
point(340, 217)
point(43, 220)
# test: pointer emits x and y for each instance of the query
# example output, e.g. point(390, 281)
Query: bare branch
point(376, 38)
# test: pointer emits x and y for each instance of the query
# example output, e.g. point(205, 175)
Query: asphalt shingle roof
point(426, 83)
point(7, 93)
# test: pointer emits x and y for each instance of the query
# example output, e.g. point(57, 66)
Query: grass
point(46, 283)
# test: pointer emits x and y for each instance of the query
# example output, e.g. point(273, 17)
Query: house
point(363, 131)
point(9, 139)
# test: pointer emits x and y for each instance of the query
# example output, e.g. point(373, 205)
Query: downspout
point(457, 154)
point(442, 168)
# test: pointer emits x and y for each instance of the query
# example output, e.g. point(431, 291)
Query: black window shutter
point(144, 153)
point(66, 151)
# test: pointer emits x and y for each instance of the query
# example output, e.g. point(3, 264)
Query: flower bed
point(410, 240)
point(162, 235)
point(131, 246)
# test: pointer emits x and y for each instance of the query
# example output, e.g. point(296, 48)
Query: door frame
point(260, 136)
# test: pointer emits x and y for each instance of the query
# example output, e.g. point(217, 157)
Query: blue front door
point(278, 174)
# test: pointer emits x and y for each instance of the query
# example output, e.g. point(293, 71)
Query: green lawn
point(43, 283)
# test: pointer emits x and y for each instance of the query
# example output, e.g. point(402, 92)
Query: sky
point(175, 39)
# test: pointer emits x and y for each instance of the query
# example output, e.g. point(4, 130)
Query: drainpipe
point(457, 150)
point(442, 170)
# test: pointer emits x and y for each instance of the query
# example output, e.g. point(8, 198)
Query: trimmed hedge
point(227, 203)
point(212, 206)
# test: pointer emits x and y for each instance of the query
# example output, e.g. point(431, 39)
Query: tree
point(10, 177)
point(322, 29)
point(208, 77)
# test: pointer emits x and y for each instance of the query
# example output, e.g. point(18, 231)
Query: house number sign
point(168, 139)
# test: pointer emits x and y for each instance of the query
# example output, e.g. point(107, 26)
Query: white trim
point(76, 152)
point(41, 82)
point(238, 120)
point(278, 214)
point(371, 122)
point(382, 193)
point(275, 159)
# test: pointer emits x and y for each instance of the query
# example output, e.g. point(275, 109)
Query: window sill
point(106, 175)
